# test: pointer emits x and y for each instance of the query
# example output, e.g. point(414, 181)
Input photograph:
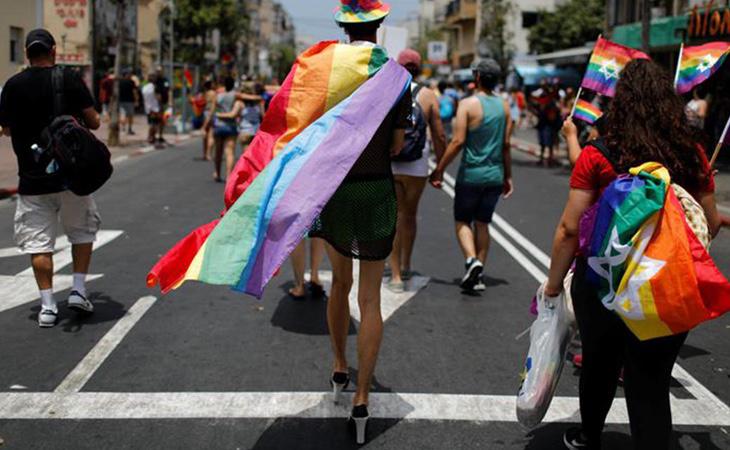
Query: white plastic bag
point(550, 335)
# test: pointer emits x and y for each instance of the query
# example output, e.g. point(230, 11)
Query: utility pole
point(113, 139)
point(171, 75)
point(646, 26)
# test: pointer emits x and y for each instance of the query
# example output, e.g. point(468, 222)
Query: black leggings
point(608, 345)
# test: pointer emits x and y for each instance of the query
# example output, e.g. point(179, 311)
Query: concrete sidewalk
point(130, 145)
point(525, 140)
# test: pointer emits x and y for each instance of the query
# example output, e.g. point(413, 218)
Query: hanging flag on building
point(188, 76)
point(698, 63)
point(587, 112)
point(605, 66)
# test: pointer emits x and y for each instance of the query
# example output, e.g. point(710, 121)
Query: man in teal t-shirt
point(482, 130)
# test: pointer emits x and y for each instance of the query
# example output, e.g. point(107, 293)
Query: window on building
point(529, 19)
point(16, 45)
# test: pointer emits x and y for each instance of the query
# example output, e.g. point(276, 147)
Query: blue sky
point(314, 17)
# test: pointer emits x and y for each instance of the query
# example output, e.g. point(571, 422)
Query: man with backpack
point(410, 168)
point(482, 129)
point(29, 114)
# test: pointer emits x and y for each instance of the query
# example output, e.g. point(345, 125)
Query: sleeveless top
point(482, 162)
point(224, 103)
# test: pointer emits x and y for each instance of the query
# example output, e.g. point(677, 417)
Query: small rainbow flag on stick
point(587, 112)
point(697, 64)
point(605, 66)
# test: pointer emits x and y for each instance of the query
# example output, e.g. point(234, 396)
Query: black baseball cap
point(39, 36)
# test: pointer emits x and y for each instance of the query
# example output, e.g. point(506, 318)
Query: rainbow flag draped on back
point(605, 66)
point(326, 112)
point(650, 267)
point(698, 63)
point(587, 112)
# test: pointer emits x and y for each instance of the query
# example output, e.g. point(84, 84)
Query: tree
point(645, 25)
point(281, 58)
point(495, 36)
point(571, 24)
point(113, 138)
point(194, 19)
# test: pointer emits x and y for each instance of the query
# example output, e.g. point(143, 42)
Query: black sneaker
point(574, 439)
point(473, 275)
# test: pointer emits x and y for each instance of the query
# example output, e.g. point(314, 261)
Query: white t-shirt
point(150, 99)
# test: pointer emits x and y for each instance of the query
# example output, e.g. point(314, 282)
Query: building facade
point(16, 20)
point(462, 22)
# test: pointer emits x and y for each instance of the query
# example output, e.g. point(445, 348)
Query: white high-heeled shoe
point(339, 382)
point(359, 418)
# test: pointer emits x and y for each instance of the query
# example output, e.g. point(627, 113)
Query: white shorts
point(37, 216)
point(417, 168)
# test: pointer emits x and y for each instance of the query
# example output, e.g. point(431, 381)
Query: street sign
point(438, 52)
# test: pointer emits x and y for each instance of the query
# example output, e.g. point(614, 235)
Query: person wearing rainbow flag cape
point(643, 277)
point(320, 164)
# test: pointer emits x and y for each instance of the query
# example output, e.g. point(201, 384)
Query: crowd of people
point(373, 215)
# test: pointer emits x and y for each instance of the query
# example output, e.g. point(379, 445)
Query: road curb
point(534, 150)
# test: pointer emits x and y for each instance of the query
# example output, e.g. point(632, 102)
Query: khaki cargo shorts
point(37, 217)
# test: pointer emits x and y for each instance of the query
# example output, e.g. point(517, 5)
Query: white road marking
point(309, 405)
point(19, 289)
point(78, 377)
point(389, 301)
point(705, 404)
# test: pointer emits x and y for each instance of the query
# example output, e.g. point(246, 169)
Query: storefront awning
point(532, 75)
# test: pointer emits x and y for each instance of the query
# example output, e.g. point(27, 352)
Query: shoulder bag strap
point(600, 145)
point(57, 85)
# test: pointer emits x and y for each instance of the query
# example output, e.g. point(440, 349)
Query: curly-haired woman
point(645, 123)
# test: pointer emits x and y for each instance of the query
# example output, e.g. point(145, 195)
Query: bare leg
point(413, 190)
point(43, 269)
point(482, 230)
point(395, 254)
point(371, 327)
point(465, 235)
point(210, 142)
point(317, 253)
point(338, 308)
point(230, 149)
point(298, 258)
point(82, 257)
point(218, 160)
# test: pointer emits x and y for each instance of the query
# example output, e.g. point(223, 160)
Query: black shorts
point(154, 118)
point(475, 202)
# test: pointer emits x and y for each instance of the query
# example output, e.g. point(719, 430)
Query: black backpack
point(83, 160)
point(415, 133)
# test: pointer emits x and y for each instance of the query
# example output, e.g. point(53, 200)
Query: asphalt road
point(207, 368)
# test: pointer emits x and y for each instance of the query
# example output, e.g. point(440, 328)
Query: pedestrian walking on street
point(482, 129)
point(410, 169)
point(359, 222)
point(644, 123)
point(162, 89)
point(209, 91)
point(151, 100)
point(27, 108)
point(225, 128)
point(128, 99)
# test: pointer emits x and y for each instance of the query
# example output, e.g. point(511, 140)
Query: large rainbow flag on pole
point(650, 267)
point(698, 63)
point(605, 66)
point(318, 124)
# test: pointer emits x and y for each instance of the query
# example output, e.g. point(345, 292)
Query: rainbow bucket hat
point(361, 11)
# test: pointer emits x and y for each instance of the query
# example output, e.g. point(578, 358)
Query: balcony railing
point(460, 10)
